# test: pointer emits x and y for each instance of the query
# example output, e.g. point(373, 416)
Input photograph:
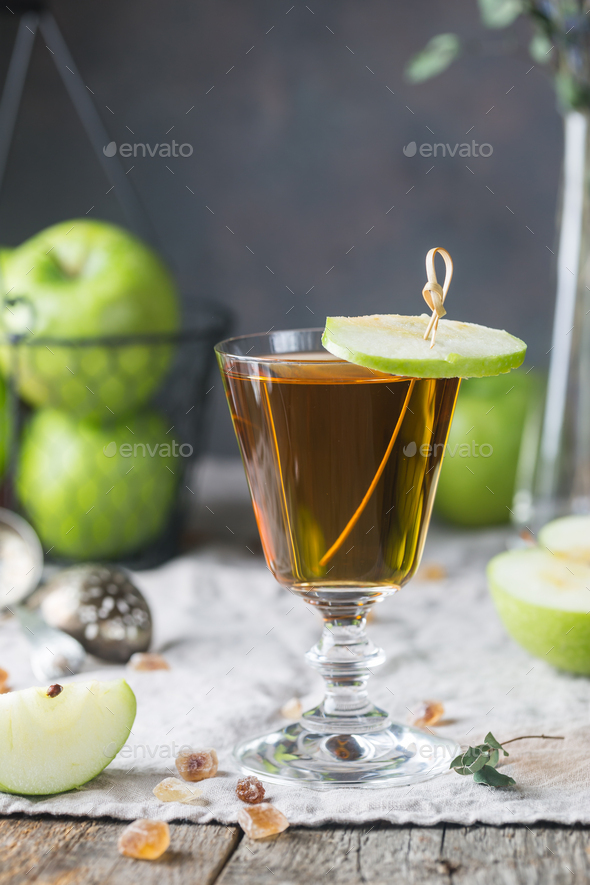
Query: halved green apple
point(544, 603)
point(395, 344)
point(568, 536)
point(49, 744)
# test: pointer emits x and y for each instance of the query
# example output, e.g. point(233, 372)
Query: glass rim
point(222, 346)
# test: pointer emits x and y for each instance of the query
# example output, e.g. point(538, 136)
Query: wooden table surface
point(73, 850)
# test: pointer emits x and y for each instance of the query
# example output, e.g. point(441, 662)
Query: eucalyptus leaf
point(481, 761)
point(489, 753)
point(571, 93)
point(470, 761)
point(460, 768)
point(540, 48)
point(491, 777)
point(440, 52)
point(492, 742)
point(499, 13)
point(493, 758)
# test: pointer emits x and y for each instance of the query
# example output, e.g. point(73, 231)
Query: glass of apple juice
point(342, 463)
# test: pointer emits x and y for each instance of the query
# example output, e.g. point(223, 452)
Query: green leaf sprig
point(481, 760)
point(560, 40)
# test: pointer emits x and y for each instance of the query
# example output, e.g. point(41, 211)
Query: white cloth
point(231, 673)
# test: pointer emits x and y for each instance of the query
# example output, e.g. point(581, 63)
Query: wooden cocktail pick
point(435, 294)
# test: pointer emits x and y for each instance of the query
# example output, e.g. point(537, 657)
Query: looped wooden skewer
point(435, 294)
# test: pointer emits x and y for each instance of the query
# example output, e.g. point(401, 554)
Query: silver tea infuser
point(100, 607)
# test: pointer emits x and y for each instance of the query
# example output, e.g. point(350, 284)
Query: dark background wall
point(298, 155)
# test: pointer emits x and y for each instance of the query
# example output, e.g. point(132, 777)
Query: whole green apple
point(479, 469)
point(542, 600)
point(97, 492)
point(58, 738)
point(79, 280)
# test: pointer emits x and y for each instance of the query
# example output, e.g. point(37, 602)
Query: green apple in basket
point(83, 279)
point(97, 491)
point(542, 594)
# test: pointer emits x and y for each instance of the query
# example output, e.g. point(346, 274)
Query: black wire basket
point(99, 437)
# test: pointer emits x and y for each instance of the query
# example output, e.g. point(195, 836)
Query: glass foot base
point(397, 755)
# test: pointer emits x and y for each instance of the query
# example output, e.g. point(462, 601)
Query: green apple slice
point(51, 744)
point(569, 536)
point(544, 603)
point(395, 344)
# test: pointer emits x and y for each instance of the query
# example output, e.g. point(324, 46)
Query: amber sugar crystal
point(196, 765)
point(145, 839)
point(171, 789)
point(4, 681)
point(250, 790)
point(428, 713)
point(147, 661)
point(292, 709)
point(260, 821)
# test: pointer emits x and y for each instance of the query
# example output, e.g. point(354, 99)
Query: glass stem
point(345, 657)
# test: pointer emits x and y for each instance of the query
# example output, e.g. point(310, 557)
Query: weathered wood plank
point(402, 856)
point(26, 844)
point(517, 855)
point(344, 855)
point(85, 853)
point(297, 855)
point(387, 855)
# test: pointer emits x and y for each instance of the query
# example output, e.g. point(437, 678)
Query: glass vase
point(563, 472)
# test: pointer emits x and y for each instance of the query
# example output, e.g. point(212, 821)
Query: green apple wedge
point(395, 344)
point(568, 536)
point(49, 744)
point(544, 603)
point(73, 282)
point(93, 491)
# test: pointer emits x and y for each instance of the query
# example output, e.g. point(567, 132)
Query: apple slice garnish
point(399, 345)
point(395, 344)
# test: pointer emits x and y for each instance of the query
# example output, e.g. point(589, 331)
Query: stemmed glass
point(342, 463)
